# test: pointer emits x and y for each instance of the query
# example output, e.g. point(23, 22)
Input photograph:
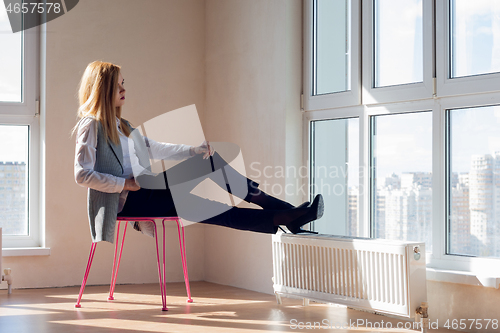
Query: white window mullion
point(439, 214)
point(364, 176)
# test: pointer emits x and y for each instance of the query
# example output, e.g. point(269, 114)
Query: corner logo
point(26, 14)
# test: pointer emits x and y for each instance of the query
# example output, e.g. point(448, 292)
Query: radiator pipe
point(8, 277)
point(424, 316)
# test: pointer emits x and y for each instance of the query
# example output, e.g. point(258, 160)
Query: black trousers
point(157, 198)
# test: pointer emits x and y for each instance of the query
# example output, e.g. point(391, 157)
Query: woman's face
point(120, 92)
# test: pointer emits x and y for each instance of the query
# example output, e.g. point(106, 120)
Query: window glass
point(335, 174)
point(331, 46)
point(10, 60)
point(475, 37)
point(402, 177)
point(398, 42)
point(14, 179)
point(474, 181)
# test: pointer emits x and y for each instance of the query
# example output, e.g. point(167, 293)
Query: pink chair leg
point(182, 245)
point(114, 274)
point(164, 264)
point(114, 262)
point(84, 282)
point(162, 285)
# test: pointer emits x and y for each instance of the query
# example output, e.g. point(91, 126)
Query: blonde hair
point(97, 98)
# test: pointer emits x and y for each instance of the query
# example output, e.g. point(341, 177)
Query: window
point(14, 154)
point(334, 173)
point(401, 154)
point(473, 29)
point(427, 123)
point(397, 52)
point(474, 181)
point(332, 54)
point(467, 49)
point(11, 64)
point(397, 58)
point(19, 133)
point(331, 51)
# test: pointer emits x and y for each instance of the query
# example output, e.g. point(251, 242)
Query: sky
point(404, 141)
point(13, 143)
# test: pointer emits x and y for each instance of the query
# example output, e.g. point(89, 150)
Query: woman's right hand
point(131, 185)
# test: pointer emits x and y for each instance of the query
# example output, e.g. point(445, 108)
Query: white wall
point(160, 46)
point(253, 75)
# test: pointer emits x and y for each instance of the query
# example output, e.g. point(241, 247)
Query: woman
point(109, 152)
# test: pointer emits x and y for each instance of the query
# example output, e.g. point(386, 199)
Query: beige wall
point(449, 301)
point(160, 46)
point(253, 66)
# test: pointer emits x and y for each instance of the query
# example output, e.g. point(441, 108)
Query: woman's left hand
point(205, 148)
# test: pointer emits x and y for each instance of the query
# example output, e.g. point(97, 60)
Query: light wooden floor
point(137, 308)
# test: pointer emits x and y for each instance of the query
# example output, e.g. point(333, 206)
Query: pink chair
point(161, 273)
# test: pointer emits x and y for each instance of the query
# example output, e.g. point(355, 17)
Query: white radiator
point(371, 274)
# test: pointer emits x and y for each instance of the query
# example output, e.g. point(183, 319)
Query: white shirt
point(85, 156)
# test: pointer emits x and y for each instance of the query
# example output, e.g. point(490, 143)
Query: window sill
point(461, 277)
point(26, 251)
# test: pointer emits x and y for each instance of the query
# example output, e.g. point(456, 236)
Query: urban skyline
point(403, 208)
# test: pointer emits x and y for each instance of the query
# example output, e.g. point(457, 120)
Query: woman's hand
point(205, 148)
point(131, 185)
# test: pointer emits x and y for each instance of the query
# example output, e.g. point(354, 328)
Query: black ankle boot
point(315, 212)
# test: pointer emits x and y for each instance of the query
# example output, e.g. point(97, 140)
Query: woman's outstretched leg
point(154, 203)
point(267, 201)
point(257, 220)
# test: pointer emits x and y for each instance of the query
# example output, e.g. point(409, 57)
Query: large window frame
point(27, 113)
point(438, 94)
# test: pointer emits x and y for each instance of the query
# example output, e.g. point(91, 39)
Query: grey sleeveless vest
point(103, 207)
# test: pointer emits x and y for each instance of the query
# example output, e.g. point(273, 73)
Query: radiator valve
point(422, 311)
point(8, 277)
point(416, 253)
